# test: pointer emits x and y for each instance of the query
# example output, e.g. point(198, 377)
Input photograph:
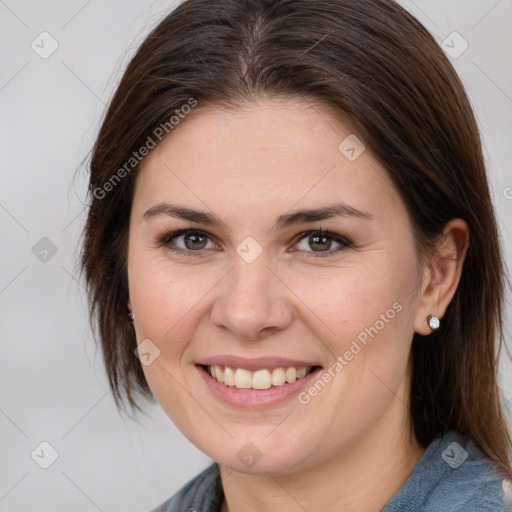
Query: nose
point(252, 302)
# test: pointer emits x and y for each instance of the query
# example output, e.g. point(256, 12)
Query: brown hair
point(376, 65)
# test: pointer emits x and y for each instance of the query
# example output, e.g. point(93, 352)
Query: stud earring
point(433, 322)
point(131, 316)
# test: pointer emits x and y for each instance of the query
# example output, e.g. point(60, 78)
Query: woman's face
point(256, 287)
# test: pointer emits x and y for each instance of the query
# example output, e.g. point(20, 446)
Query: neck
point(362, 477)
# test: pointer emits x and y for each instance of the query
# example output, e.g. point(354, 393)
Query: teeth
point(243, 378)
point(260, 379)
point(291, 374)
point(278, 377)
point(301, 372)
point(218, 374)
point(229, 376)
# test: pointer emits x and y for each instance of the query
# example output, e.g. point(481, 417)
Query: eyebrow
point(296, 217)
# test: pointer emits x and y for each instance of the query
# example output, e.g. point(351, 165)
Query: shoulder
point(201, 494)
point(452, 476)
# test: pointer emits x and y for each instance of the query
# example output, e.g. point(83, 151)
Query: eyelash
point(165, 241)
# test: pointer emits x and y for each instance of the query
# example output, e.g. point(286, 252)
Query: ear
point(129, 304)
point(442, 274)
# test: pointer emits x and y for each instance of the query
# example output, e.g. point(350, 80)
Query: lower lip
point(256, 397)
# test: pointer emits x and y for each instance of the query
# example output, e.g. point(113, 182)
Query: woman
point(291, 229)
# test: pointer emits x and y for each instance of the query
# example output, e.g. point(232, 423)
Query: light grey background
point(52, 382)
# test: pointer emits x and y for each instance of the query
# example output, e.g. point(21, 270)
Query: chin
point(259, 457)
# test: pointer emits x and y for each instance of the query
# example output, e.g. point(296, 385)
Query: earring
point(433, 322)
point(131, 316)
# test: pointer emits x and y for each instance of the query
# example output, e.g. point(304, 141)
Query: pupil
point(322, 241)
point(195, 241)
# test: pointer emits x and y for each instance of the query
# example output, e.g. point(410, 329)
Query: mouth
point(261, 379)
point(256, 382)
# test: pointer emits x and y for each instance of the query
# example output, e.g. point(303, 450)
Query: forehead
point(264, 155)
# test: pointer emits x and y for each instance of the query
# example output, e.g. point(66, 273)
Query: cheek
point(350, 302)
point(364, 318)
point(169, 303)
point(163, 296)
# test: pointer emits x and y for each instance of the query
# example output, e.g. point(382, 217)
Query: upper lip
point(255, 363)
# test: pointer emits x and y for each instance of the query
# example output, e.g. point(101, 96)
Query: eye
point(187, 241)
point(321, 242)
point(191, 242)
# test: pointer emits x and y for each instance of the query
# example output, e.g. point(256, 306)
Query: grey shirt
point(451, 476)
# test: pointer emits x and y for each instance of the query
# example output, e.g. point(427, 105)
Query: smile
point(269, 381)
point(241, 378)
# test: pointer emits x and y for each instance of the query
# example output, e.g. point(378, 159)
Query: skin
point(248, 166)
